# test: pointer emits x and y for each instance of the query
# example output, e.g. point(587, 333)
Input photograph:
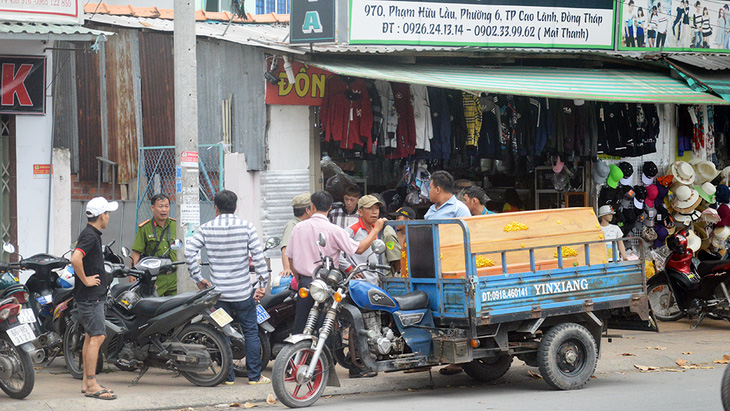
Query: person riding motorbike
point(154, 237)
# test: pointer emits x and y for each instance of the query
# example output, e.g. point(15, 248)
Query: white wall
point(288, 138)
point(34, 140)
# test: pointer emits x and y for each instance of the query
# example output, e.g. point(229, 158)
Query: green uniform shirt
point(148, 235)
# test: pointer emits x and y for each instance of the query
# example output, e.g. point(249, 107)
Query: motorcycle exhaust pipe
point(724, 290)
point(43, 340)
point(37, 356)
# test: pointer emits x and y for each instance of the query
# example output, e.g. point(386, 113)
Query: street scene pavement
point(677, 368)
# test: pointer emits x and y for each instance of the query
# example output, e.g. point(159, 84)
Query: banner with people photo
point(675, 25)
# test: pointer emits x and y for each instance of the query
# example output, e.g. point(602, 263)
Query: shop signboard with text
point(22, 85)
point(43, 11)
point(307, 89)
point(675, 25)
point(312, 21)
point(574, 24)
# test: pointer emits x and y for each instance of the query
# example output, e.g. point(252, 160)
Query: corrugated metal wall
point(278, 188)
point(120, 100)
point(231, 69)
point(158, 88)
point(89, 114)
point(65, 121)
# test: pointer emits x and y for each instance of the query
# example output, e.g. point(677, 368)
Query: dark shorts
point(91, 316)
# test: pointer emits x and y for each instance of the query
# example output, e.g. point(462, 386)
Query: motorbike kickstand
point(699, 320)
point(55, 355)
point(142, 371)
point(430, 376)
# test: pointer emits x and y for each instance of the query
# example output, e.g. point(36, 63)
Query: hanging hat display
point(652, 191)
point(684, 218)
point(719, 237)
point(685, 199)
point(628, 199)
point(600, 172)
point(661, 235)
point(639, 197)
point(614, 176)
point(710, 216)
point(724, 212)
point(558, 165)
point(648, 234)
point(707, 192)
point(649, 216)
point(628, 171)
point(722, 194)
point(683, 172)
point(666, 180)
point(706, 171)
point(648, 172)
point(704, 238)
point(694, 242)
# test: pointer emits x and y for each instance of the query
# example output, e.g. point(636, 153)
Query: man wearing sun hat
point(91, 286)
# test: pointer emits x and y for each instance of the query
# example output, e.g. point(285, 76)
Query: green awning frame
point(627, 86)
point(716, 81)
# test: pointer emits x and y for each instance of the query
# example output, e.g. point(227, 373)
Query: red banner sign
point(307, 90)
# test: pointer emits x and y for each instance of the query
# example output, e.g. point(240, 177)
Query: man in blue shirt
point(445, 203)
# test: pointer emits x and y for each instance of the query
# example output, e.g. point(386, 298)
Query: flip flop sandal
point(103, 387)
point(98, 395)
point(365, 374)
point(450, 370)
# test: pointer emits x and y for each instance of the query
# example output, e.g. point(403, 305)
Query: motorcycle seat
point(271, 300)
point(707, 267)
point(156, 305)
point(415, 300)
point(61, 294)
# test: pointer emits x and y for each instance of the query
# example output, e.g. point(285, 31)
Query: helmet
point(128, 299)
point(66, 277)
point(677, 243)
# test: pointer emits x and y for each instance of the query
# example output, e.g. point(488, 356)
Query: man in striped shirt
point(229, 241)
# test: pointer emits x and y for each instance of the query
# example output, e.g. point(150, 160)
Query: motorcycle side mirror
point(176, 244)
point(9, 248)
point(272, 242)
point(322, 242)
point(378, 247)
point(126, 252)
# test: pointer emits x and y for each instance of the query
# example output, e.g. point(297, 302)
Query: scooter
point(182, 333)
point(725, 389)
point(17, 376)
point(685, 289)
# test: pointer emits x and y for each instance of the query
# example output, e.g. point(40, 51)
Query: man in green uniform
point(154, 237)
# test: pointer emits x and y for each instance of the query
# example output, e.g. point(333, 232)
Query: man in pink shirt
point(303, 250)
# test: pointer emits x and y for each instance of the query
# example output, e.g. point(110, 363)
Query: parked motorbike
point(182, 333)
point(17, 376)
point(362, 319)
point(688, 289)
point(725, 389)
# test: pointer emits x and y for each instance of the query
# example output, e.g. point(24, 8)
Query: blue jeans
point(244, 312)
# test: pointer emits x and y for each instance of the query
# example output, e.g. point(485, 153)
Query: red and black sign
point(22, 85)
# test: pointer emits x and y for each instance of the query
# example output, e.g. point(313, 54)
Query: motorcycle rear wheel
point(663, 302)
point(239, 366)
point(725, 389)
point(22, 380)
point(219, 350)
point(288, 372)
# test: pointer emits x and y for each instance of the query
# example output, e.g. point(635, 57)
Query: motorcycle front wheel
point(663, 302)
point(17, 363)
point(291, 386)
point(219, 350)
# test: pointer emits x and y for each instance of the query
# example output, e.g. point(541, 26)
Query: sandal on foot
point(450, 369)
point(99, 395)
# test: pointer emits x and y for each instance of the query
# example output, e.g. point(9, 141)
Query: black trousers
point(304, 305)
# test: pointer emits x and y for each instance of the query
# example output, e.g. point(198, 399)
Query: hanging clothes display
point(422, 117)
point(390, 115)
point(376, 107)
point(406, 130)
point(441, 123)
point(346, 113)
point(473, 115)
point(489, 134)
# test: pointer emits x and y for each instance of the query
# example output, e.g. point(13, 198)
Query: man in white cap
point(90, 291)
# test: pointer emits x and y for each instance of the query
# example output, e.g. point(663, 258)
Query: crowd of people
point(655, 25)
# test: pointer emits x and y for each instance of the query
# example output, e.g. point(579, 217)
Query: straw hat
point(683, 172)
point(719, 237)
point(706, 171)
point(707, 192)
point(686, 199)
point(694, 242)
point(691, 217)
point(710, 216)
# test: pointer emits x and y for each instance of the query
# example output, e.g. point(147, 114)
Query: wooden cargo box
point(496, 232)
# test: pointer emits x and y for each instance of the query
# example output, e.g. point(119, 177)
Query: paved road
point(56, 390)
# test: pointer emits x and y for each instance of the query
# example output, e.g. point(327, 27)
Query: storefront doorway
point(8, 178)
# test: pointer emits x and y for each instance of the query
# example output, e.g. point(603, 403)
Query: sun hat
point(628, 171)
point(704, 238)
point(98, 206)
point(614, 176)
point(705, 171)
point(685, 198)
point(651, 194)
point(707, 192)
point(661, 235)
point(683, 172)
point(600, 172)
point(710, 216)
point(302, 200)
point(722, 194)
point(694, 242)
point(648, 172)
point(719, 237)
point(605, 210)
point(682, 218)
point(558, 166)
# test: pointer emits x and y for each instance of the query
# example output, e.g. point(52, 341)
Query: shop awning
point(700, 79)
point(10, 30)
point(631, 86)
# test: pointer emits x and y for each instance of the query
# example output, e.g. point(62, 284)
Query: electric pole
point(186, 132)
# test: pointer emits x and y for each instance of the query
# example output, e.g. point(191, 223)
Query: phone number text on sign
point(404, 22)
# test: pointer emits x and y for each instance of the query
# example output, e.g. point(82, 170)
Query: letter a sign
point(22, 85)
point(312, 21)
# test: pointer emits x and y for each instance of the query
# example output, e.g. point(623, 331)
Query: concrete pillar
point(61, 195)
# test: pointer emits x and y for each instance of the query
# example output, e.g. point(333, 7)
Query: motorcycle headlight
point(319, 290)
point(334, 277)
